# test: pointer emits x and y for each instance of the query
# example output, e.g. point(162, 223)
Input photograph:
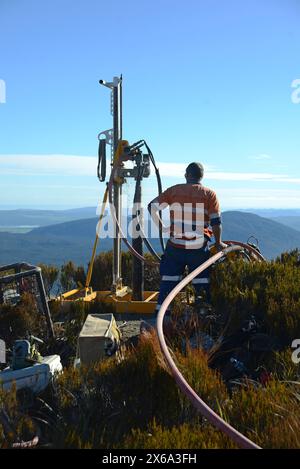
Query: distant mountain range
point(274, 212)
point(73, 240)
point(29, 217)
point(35, 218)
point(273, 237)
point(291, 221)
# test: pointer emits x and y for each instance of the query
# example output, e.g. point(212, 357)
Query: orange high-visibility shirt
point(193, 208)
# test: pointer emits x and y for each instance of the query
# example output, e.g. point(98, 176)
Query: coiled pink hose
point(197, 402)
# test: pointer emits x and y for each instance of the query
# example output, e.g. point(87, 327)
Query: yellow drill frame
point(121, 301)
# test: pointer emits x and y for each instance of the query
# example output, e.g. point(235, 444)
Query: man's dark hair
point(194, 171)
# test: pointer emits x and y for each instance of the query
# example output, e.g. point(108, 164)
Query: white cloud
point(261, 157)
point(176, 170)
point(70, 165)
point(74, 165)
point(224, 176)
point(2, 92)
point(259, 198)
point(38, 165)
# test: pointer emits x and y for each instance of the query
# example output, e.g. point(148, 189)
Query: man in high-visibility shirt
point(193, 210)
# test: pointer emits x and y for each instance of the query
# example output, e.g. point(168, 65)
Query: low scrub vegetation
point(135, 403)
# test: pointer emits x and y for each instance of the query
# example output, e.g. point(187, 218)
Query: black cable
point(159, 185)
point(101, 168)
point(145, 240)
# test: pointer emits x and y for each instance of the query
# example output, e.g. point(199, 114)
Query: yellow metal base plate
point(121, 302)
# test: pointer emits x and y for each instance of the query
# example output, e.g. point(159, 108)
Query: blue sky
point(207, 81)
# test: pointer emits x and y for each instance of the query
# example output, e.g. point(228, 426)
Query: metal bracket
point(122, 291)
point(108, 84)
point(111, 84)
point(108, 136)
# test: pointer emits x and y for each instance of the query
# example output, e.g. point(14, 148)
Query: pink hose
point(197, 402)
point(249, 248)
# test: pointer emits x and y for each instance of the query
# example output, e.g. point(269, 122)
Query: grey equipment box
point(99, 338)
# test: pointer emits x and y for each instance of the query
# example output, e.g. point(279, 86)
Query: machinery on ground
point(127, 161)
point(28, 369)
point(19, 278)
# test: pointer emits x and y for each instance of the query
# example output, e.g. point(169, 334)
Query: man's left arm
point(216, 221)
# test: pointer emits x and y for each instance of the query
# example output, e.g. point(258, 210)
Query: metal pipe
point(117, 187)
point(137, 244)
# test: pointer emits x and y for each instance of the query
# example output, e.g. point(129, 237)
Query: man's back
point(192, 209)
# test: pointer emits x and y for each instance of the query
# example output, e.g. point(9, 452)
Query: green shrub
point(135, 403)
point(109, 399)
point(50, 275)
point(178, 437)
point(16, 321)
point(270, 291)
point(15, 425)
point(269, 415)
point(102, 272)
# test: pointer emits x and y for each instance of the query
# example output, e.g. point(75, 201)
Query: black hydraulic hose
point(101, 176)
point(101, 168)
point(161, 239)
point(144, 237)
point(116, 221)
point(135, 146)
point(151, 248)
point(159, 185)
